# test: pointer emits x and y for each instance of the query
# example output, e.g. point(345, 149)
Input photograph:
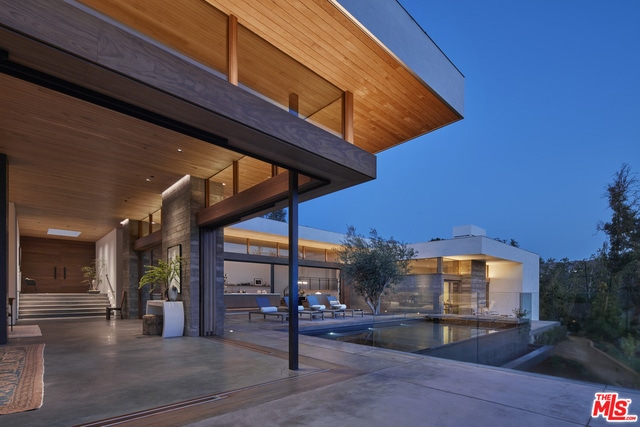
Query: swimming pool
point(408, 336)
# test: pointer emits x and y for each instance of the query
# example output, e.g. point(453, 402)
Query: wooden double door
point(55, 265)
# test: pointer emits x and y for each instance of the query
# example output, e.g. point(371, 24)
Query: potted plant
point(164, 274)
point(520, 312)
point(92, 275)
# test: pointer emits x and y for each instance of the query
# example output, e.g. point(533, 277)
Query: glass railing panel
point(263, 248)
point(156, 220)
point(264, 69)
point(252, 172)
point(221, 185)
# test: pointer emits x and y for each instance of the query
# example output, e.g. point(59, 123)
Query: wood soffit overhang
point(392, 104)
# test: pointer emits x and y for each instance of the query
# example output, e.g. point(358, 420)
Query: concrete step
point(35, 306)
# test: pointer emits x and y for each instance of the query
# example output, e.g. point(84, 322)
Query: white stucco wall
point(107, 248)
point(515, 270)
point(505, 286)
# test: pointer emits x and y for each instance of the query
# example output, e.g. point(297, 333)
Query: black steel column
point(4, 252)
point(293, 270)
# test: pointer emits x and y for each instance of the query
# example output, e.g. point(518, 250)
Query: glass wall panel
point(424, 266)
point(247, 277)
point(451, 267)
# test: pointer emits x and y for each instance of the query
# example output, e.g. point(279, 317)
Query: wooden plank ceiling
point(74, 165)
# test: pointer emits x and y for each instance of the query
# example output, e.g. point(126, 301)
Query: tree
point(277, 215)
point(558, 283)
point(604, 322)
point(511, 242)
point(624, 228)
point(373, 265)
point(92, 274)
point(623, 254)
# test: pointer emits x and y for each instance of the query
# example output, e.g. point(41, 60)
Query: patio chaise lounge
point(302, 312)
point(315, 305)
point(487, 311)
point(335, 304)
point(266, 309)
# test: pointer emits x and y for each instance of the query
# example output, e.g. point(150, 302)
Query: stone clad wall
point(179, 206)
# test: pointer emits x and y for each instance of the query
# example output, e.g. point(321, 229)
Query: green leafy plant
point(374, 264)
point(162, 274)
point(92, 274)
point(520, 312)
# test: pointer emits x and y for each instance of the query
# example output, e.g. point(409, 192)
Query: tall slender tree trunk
point(371, 304)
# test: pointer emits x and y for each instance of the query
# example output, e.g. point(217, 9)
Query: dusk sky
point(552, 111)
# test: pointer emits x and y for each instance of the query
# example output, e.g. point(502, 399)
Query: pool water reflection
point(407, 336)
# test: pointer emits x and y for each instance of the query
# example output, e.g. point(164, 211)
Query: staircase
point(38, 306)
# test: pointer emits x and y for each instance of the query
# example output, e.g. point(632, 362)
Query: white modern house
point(474, 274)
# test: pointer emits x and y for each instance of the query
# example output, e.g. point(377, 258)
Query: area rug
point(24, 331)
point(21, 378)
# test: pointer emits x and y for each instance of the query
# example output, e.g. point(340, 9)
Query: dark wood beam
point(259, 198)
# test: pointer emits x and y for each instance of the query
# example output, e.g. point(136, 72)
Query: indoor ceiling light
point(65, 233)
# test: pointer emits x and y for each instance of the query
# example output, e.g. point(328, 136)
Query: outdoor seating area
point(303, 312)
point(313, 310)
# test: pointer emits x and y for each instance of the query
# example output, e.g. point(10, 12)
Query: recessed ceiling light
point(65, 233)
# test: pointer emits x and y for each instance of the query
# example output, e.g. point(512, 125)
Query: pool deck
point(97, 369)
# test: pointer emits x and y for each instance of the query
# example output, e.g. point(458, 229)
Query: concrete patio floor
point(96, 370)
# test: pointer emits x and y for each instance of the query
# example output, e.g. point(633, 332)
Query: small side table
point(173, 312)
